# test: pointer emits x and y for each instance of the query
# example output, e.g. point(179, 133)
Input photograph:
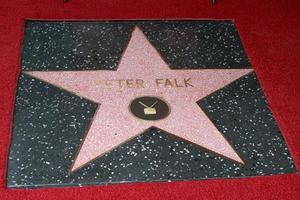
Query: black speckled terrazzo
point(99, 45)
point(50, 123)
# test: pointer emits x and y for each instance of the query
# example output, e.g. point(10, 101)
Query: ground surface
point(270, 32)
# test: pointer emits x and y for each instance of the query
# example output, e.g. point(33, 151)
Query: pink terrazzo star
point(142, 72)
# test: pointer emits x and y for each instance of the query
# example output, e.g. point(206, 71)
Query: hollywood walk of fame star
point(143, 73)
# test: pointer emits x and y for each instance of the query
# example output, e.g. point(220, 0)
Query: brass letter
point(168, 83)
point(158, 82)
point(108, 83)
point(120, 81)
point(176, 84)
point(139, 83)
point(129, 83)
point(186, 82)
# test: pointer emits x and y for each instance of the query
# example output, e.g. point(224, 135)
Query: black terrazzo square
point(51, 122)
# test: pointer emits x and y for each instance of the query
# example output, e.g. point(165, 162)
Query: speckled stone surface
point(99, 45)
point(50, 123)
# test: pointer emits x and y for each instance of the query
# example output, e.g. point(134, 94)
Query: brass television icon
point(149, 110)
